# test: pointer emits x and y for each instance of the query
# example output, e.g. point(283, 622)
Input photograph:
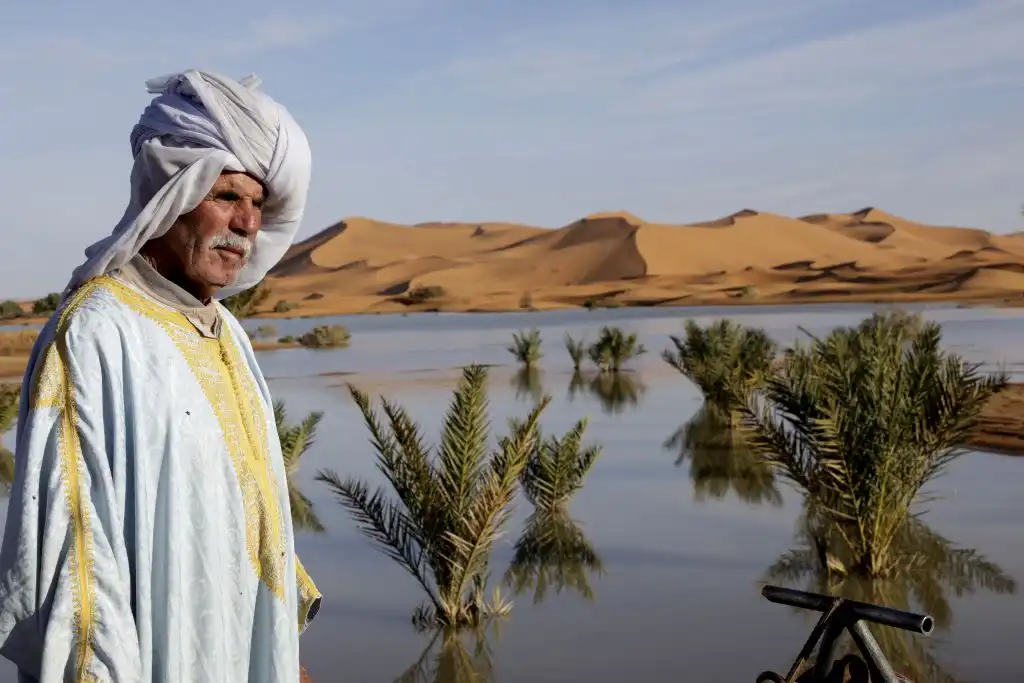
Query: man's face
point(206, 248)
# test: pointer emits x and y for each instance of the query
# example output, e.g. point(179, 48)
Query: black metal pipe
point(886, 616)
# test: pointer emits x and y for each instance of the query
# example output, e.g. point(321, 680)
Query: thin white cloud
point(674, 61)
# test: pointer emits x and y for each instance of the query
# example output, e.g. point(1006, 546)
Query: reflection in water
point(446, 659)
point(553, 552)
point(616, 391)
point(931, 570)
point(721, 461)
point(527, 384)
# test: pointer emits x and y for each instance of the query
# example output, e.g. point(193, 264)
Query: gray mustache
point(232, 241)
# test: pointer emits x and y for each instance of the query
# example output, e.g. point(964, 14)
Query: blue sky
point(535, 112)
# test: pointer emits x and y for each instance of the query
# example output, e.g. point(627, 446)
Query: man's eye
point(228, 196)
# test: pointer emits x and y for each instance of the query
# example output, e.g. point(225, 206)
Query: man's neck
point(175, 276)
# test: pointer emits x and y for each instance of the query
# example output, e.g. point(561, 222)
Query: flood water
point(683, 548)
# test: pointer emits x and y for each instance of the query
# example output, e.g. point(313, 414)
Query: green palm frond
point(442, 510)
point(862, 420)
point(557, 468)
point(526, 347)
point(613, 348)
point(577, 351)
point(295, 441)
point(725, 360)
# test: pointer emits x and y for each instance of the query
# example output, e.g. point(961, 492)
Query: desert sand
point(617, 259)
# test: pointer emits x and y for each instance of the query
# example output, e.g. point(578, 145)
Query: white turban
point(199, 125)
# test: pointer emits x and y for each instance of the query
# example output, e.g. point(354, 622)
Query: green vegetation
point(48, 304)
point(556, 468)
point(422, 294)
point(326, 337)
point(295, 441)
point(526, 347)
point(245, 304)
point(577, 351)
point(614, 348)
point(264, 332)
point(860, 422)
point(724, 360)
point(10, 395)
point(448, 507)
point(9, 310)
point(283, 306)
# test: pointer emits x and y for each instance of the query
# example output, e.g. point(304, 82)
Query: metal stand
point(840, 615)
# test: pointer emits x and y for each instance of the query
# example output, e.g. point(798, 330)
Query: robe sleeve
point(65, 581)
point(309, 596)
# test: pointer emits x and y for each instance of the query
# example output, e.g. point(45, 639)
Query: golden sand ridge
point(361, 265)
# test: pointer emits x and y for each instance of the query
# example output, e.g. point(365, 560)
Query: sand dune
point(617, 258)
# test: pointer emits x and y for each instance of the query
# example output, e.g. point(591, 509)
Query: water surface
point(682, 552)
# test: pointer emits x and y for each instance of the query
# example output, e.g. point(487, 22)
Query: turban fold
point(199, 125)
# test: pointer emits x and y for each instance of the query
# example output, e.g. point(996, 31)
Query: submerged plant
point(861, 421)
point(557, 467)
point(295, 441)
point(614, 348)
point(725, 360)
point(446, 507)
point(577, 351)
point(526, 347)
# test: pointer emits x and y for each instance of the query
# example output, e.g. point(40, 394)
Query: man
point(148, 535)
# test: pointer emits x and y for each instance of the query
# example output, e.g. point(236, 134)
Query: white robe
point(148, 535)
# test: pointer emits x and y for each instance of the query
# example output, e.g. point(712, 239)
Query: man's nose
point(247, 218)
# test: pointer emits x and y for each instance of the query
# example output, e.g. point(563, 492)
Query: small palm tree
point(724, 360)
point(526, 347)
point(861, 421)
point(448, 508)
point(295, 441)
point(557, 468)
point(613, 348)
point(577, 351)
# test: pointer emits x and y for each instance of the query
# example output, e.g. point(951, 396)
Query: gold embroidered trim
point(309, 596)
point(52, 387)
point(232, 393)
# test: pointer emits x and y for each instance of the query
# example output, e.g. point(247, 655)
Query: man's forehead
point(242, 183)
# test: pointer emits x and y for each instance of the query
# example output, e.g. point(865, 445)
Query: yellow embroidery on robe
point(232, 393)
point(309, 595)
point(52, 388)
